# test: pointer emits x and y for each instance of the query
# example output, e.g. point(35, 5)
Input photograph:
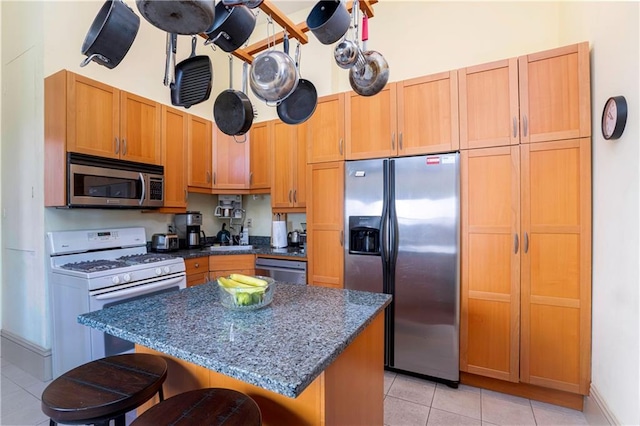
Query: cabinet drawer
point(231, 262)
point(196, 265)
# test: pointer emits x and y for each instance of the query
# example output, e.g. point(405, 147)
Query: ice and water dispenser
point(364, 235)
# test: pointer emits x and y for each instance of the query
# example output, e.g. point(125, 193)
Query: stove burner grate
point(136, 259)
point(94, 265)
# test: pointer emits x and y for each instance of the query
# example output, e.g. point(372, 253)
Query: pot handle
point(88, 59)
point(244, 138)
point(220, 34)
point(169, 70)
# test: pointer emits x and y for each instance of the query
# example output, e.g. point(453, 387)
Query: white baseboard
point(596, 410)
point(32, 358)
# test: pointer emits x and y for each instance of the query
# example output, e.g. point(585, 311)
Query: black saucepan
point(301, 103)
point(193, 78)
point(232, 27)
point(111, 34)
point(232, 110)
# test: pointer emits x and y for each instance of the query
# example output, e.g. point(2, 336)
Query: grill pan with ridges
point(193, 77)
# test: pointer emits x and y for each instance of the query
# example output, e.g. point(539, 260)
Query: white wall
point(417, 38)
point(612, 29)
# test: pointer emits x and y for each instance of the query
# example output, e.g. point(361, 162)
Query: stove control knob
point(126, 278)
point(158, 271)
point(115, 280)
point(166, 269)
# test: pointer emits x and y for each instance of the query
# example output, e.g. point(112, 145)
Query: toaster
point(164, 242)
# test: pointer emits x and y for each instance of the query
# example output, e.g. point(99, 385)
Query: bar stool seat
point(104, 389)
point(208, 406)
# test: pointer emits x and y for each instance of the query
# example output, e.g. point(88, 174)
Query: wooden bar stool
point(104, 389)
point(208, 406)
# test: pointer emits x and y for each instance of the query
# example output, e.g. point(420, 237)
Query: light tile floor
point(408, 402)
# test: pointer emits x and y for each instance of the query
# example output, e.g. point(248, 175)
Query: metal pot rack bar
point(297, 31)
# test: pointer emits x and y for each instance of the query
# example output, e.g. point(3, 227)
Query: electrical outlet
point(249, 223)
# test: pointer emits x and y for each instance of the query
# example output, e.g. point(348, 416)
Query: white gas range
point(95, 269)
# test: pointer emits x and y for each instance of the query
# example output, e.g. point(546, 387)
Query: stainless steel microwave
point(110, 183)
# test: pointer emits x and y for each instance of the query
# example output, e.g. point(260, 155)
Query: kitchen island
point(314, 356)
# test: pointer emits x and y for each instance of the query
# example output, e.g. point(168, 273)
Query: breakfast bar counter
point(313, 356)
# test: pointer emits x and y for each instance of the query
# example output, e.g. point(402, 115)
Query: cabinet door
point(556, 265)
point(371, 125)
point(283, 145)
point(555, 100)
point(489, 104)
point(325, 130)
point(300, 182)
point(490, 276)
point(174, 147)
point(260, 156)
point(428, 114)
point(231, 160)
point(325, 234)
point(93, 117)
point(140, 129)
point(199, 153)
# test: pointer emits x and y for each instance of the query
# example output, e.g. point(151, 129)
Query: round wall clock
point(614, 117)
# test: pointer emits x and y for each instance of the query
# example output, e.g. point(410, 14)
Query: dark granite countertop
point(282, 347)
point(292, 252)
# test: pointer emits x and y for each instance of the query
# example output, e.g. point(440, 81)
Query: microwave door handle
point(137, 290)
point(144, 190)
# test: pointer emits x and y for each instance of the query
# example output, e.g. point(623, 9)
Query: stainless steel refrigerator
point(402, 217)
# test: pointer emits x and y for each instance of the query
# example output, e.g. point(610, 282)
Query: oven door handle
point(137, 290)
point(276, 269)
point(144, 189)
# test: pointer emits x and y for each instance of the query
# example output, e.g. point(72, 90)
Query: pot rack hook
point(271, 32)
point(230, 71)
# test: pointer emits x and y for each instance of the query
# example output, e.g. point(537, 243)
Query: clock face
point(614, 117)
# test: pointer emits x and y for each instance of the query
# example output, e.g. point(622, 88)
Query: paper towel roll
point(279, 234)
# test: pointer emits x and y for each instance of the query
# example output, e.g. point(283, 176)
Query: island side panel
point(354, 383)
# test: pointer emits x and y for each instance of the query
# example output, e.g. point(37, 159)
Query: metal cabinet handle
point(524, 125)
point(295, 193)
point(208, 177)
point(526, 242)
point(196, 265)
point(250, 178)
point(393, 141)
point(124, 148)
point(515, 127)
point(400, 141)
point(340, 146)
point(341, 238)
point(289, 195)
point(515, 243)
point(214, 178)
point(117, 145)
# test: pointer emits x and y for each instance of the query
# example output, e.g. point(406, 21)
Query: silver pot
point(372, 77)
point(274, 75)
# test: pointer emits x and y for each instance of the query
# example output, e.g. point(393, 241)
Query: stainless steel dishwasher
point(290, 271)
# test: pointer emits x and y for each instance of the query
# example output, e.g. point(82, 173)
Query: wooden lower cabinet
point(526, 264)
point(325, 224)
point(197, 271)
point(223, 265)
point(350, 391)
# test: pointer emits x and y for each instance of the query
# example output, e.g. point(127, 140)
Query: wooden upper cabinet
point(260, 157)
point(200, 146)
point(555, 100)
point(489, 105)
point(325, 229)
point(231, 162)
point(490, 262)
point(428, 114)
point(288, 145)
point(93, 117)
point(140, 129)
point(174, 147)
point(371, 126)
point(325, 130)
point(556, 265)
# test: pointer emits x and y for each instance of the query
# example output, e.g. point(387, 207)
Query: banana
point(245, 279)
point(230, 283)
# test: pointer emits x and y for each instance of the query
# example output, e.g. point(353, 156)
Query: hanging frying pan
point(370, 79)
point(192, 79)
point(187, 17)
point(232, 110)
point(301, 103)
point(111, 34)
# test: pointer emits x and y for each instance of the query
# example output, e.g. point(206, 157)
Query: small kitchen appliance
point(293, 238)
point(188, 229)
point(227, 205)
point(164, 242)
point(279, 234)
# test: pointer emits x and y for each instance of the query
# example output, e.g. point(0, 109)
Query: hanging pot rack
point(297, 31)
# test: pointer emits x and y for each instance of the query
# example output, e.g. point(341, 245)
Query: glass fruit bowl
point(241, 298)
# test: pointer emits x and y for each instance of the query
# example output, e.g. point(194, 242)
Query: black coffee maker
point(188, 228)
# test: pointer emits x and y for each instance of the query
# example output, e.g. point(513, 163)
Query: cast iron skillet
point(301, 103)
point(232, 110)
point(192, 79)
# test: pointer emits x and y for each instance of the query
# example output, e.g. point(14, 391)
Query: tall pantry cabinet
point(526, 220)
